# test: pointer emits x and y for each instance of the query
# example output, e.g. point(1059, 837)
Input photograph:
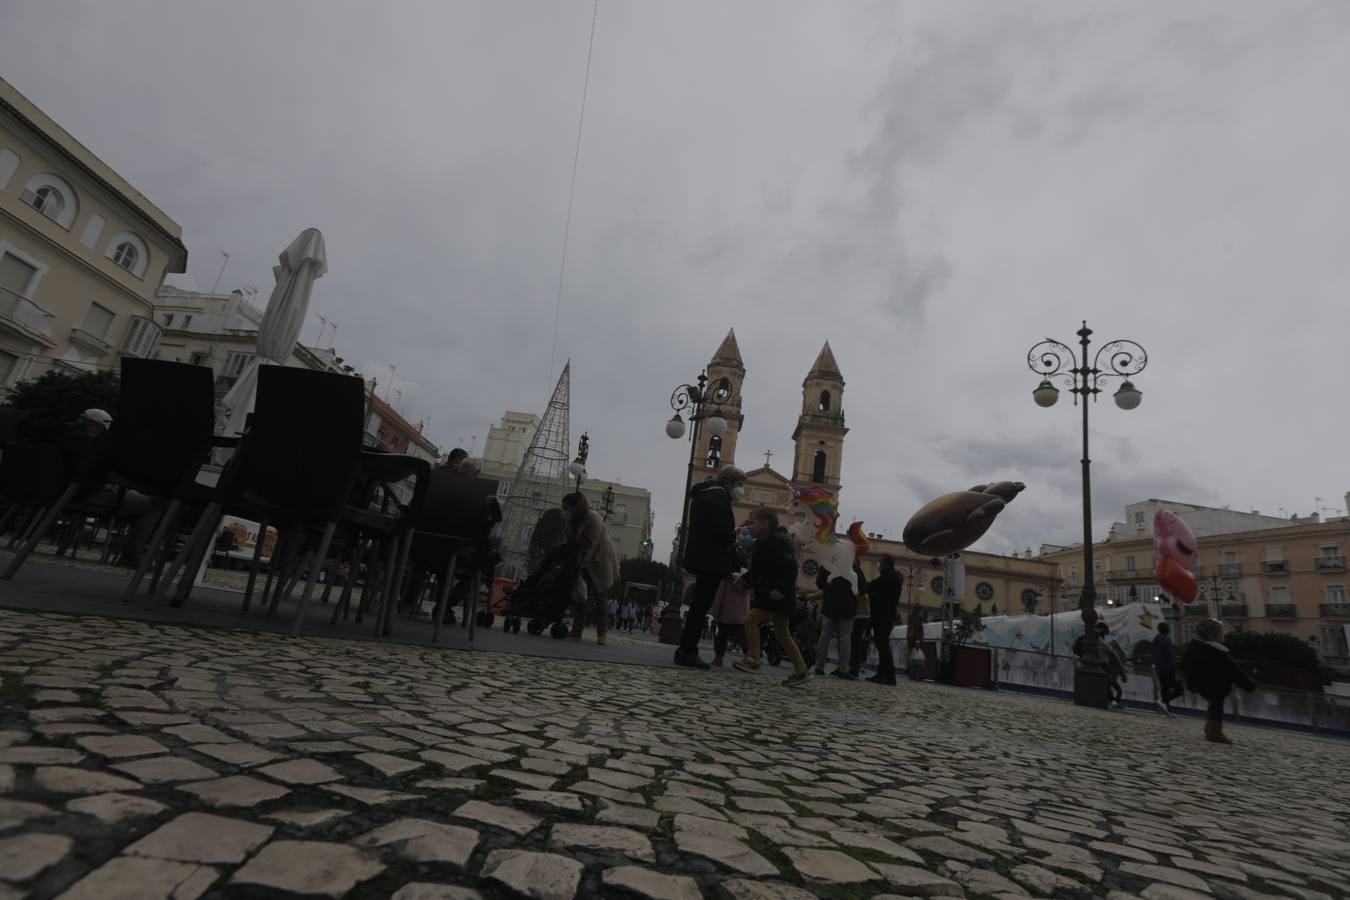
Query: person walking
point(1113, 661)
point(839, 606)
point(862, 625)
point(1165, 667)
point(588, 538)
point(709, 553)
point(913, 641)
point(772, 582)
point(1210, 672)
point(883, 593)
point(729, 609)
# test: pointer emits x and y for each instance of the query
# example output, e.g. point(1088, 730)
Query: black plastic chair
point(161, 435)
point(454, 535)
point(294, 469)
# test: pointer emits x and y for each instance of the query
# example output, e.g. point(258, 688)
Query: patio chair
point(453, 535)
point(156, 445)
point(294, 468)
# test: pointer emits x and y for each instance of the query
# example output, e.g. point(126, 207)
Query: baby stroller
point(805, 633)
point(544, 597)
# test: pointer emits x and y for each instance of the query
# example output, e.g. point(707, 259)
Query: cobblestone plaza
point(143, 760)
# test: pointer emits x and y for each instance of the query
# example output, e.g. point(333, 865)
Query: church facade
point(1008, 583)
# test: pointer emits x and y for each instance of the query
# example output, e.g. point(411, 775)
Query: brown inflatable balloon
point(953, 522)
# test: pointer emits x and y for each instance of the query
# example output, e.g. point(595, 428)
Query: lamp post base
point(671, 629)
point(1089, 687)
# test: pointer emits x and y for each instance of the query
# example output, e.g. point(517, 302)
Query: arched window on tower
point(715, 451)
point(818, 468)
point(825, 401)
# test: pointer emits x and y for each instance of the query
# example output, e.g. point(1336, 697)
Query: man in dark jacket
point(709, 553)
point(884, 593)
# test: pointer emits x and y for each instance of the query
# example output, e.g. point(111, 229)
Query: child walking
point(729, 609)
point(772, 581)
point(1211, 673)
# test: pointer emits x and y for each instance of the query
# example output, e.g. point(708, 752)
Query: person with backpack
point(709, 553)
point(838, 608)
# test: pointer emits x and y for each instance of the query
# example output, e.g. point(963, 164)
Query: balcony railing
point(1195, 610)
point(1281, 611)
point(1331, 563)
point(1233, 610)
point(1229, 570)
point(17, 311)
point(1334, 610)
point(92, 341)
point(1276, 566)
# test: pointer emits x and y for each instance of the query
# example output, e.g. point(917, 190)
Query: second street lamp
point(578, 466)
point(1122, 359)
point(696, 400)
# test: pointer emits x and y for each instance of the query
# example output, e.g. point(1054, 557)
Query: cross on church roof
point(768, 454)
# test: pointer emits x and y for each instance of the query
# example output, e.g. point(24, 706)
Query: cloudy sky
point(932, 186)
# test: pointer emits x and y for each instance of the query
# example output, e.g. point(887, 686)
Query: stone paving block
point(64, 780)
point(602, 839)
point(943, 846)
point(121, 746)
point(164, 770)
point(745, 889)
point(550, 801)
point(502, 817)
point(652, 885)
point(300, 771)
point(307, 818)
point(612, 813)
point(390, 766)
point(309, 867)
point(7, 778)
point(675, 805)
point(1043, 881)
point(112, 808)
point(421, 840)
point(919, 882)
point(137, 878)
point(369, 796)
point(1160, 891)
point(452, 762)
point(64, 714)
point(527, 779)
point(543, 876)
point(732, 854)
point(323, 747)
point(424, 890)
point(26, 855)
point(451, 784)
point(829, 866)
point(622, 780)
point(32, 755)
point(711, 827)
point(1164, 874)
point(202, 838)
point(238, 791)
point(196, 733)
point(18, 812)
point(237, 753)
point(867, 840)
point(1124, 851)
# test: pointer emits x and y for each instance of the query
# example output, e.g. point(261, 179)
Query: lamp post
point(695, 399)
point(607, 503)
point(1115, 359)
point(578, 466)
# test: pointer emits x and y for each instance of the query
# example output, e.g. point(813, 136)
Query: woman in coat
point(589, 539)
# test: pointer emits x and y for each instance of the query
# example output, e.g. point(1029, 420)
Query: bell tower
point(819, 437)
point(726, 363)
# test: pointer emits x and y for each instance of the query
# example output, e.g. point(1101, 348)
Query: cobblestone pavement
point(146, 761)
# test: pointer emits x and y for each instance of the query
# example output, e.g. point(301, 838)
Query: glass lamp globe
point(1128, 396)
point(716, 424)
point(675, 427)
point(577, 468)
point(1046, 394)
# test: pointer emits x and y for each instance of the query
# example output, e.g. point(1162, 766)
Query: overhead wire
point(571, 193)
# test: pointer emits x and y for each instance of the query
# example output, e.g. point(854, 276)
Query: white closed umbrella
point(301, 263)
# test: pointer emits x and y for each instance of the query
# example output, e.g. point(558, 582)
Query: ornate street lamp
point(702, 402)
point(1122, 359)
point(607, 502)
point(578, 466)
point(1219, 590)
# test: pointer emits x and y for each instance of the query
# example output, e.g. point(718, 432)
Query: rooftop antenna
point(223, 264)
point(393, 370)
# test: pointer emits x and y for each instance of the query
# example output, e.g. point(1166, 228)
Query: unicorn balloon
point(820, 546)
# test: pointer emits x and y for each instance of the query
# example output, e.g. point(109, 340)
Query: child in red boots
point(1210, 672)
